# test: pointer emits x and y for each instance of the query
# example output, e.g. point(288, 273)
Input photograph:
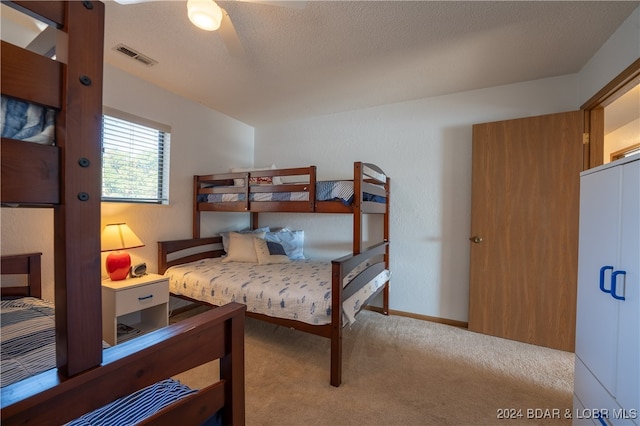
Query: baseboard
point(446, 321)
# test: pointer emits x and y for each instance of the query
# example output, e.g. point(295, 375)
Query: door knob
point(476, 239)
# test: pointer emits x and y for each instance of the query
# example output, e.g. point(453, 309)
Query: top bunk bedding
point(292, 190)
point(334, 190)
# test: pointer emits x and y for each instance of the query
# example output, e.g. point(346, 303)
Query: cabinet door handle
point(601, 420)
point(145, 297)
point(602, 271)
point(614, 278)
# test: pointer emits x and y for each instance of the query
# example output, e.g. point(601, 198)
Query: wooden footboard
point(217, 334)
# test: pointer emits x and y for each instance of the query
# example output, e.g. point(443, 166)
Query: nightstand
point(139, 305)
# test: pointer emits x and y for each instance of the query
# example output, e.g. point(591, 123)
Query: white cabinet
point(139, 303)
point(607, 372)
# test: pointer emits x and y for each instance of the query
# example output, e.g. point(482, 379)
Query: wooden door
point(524, 229)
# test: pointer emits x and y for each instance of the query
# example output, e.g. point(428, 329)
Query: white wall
point(202, 141)
point(425, 147)
point(620, 51)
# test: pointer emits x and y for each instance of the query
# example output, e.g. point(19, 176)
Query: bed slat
point(30, 77)
point(29, 182)
point(28, 264)
point(51, 11)
point(362, 279)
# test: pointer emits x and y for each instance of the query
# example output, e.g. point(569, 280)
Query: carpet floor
point(399, 371)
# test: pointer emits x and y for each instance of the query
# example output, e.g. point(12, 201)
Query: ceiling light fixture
point(204, 14)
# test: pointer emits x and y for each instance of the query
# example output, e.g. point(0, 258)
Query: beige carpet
point(400, 371)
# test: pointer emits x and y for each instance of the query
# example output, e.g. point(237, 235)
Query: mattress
point(299, 290)
point(28, 344)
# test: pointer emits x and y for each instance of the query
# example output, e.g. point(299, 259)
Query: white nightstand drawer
point(141, 303)
point(141, 297)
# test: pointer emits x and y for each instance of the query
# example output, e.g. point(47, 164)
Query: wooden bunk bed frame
point(366, 180)
point(67, 178)
point(50, 398)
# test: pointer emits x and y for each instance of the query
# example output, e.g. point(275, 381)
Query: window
point(135, 159)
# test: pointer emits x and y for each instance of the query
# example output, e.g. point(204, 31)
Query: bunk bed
point(33, 391)
point(352, 281)
point(66, 176)
point(294, 190)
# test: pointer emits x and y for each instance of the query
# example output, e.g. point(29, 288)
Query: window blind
point(135, 161)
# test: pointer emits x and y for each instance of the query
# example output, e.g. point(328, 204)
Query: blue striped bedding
point(132, 409)
point(341, 190)
point(28, 341)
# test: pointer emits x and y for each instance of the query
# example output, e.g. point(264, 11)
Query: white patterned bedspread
point(299, 290)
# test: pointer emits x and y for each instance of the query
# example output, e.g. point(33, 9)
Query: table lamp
point(116, 237)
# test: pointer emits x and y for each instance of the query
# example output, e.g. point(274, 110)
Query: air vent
point(132, 53)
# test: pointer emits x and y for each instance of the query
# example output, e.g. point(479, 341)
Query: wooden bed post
point(196, 211)
point(254, 222)
point(385, 292)
point(357, 207)
point(336, 323)
point(232, 371)
point(77, 216)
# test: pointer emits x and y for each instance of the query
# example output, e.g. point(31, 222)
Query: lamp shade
point(204, 14)
point(116, 237)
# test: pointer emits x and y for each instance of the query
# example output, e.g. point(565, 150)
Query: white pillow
point(241, 248)
point(240, 182)
point(225, 235)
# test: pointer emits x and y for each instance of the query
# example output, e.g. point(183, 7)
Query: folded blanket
point(27, 122)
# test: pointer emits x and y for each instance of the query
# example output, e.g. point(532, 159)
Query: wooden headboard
point(23, 264)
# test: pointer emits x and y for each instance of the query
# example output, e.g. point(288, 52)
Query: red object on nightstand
point(118, 264)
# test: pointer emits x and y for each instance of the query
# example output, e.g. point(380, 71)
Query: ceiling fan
point(209, 16)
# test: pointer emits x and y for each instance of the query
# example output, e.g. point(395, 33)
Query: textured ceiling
point(335, 56)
